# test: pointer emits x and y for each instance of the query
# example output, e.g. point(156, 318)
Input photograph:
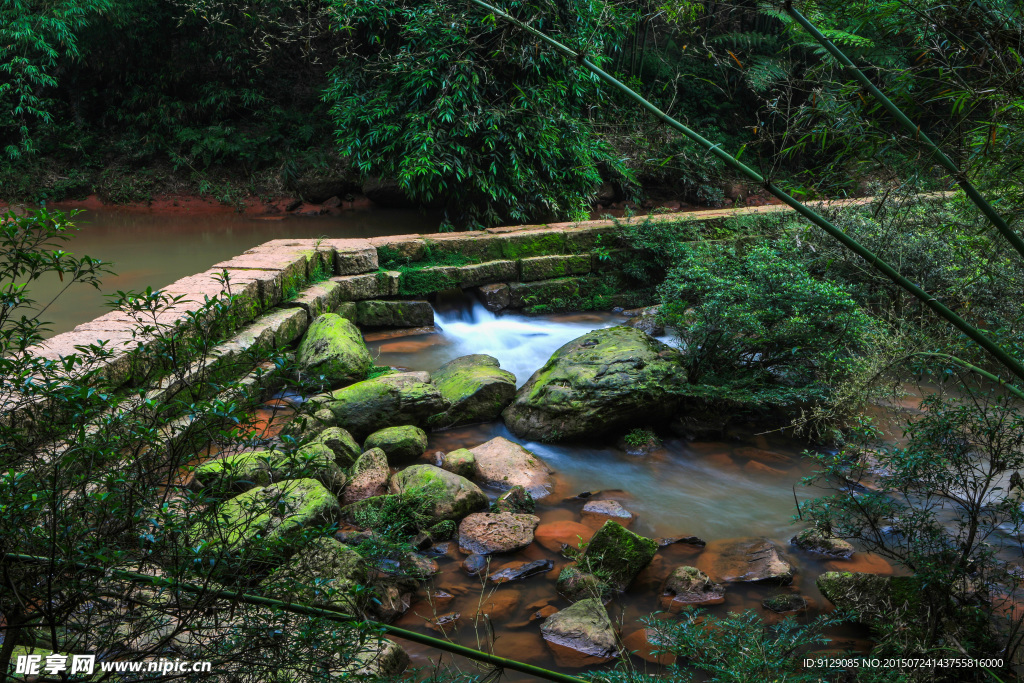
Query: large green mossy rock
point(240, 472)
point(266, 523)
point(401, 444)
point(617, 555)
point(345, 448)
point(326, 573)
point(874, 599)
point(605, 380)
point(403, 398)
point(333, 347)
point(476, 388)
point(443, 495)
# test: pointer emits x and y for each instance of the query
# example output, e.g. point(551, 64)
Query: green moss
point(617, 554)
point(524, 245)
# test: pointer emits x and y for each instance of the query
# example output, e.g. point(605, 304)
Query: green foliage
point(461, 113)
point(641, 437)
point(755, 325)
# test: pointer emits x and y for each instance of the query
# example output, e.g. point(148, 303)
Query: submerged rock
point(475, 387)
point(401, 444)
point(788, 602)
point(691, 586)
point(333, 347)
point(583, 626)
point(817, 543)
point(404, 398)
point(754, 560)
point(523, 570)
point(617, 554)
point(502, 464)
point(443, 495)
point(486, 533)
point(603, 381)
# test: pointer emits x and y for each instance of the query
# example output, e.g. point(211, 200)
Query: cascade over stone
point(583, 626)
point(333, 347)
point(444, 495)
point(400, 398)
point(602, 381)
point(618, 554)
point(401, 444)
point(476, 388)
point(502, 464)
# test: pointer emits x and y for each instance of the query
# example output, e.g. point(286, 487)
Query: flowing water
point(739, 488)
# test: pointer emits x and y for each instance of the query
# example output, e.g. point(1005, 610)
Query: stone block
point(523, 294)
point(495, 297)
point(394, 314)
point(549, 267)
point(322, 297)
point(367, 286)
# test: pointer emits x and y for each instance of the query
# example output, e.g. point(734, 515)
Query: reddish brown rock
point(486, 533)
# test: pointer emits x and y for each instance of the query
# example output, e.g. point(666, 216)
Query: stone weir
point(282, 285)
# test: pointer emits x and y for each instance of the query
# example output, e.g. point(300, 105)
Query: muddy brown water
point(153, 249)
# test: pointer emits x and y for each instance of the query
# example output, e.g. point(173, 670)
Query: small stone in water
point(688, 540)
point(785, 603)
point(474, 564)
point(523, 571)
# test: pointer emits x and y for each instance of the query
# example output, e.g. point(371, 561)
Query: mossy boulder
point(617, 555)
point(786, 602)
point(460, 461)
point(333, 347)
point(400, 444)
point(874, 599)
point(818, 543)
point(502, 464)
point(266, 523)
point(585, 627)
point(603, 381)
point(240, 472)
point(306, 427)
point(445, 495)
point(574, 584)
point(325, 573)
point(345, 448)
point(516, 499)
point(369, 477)
point(475, 387)
point(402, 398)
point(690, 586)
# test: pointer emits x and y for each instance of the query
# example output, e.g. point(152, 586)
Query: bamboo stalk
point(990, 213)
point(994, 350)
point(325, 613)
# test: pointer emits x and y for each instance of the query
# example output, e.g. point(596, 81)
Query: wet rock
point(381, 658)
point(375, 313)
point(440, 598)
point(499, 605)
point(543, 613)
point(487, 533)
point(603, 381)
point(787, 602)
point(405, 398)
point(817, 543)
point(644, 643)
point(502, 464)
point(755, 560)
point(523, 570)
point(333, 348)
point(370, 476)
point(647, 320)
point(617, 554)
point(474, 565)
point(445, 623)
point(585, 627)
point(346, 450)
point(306, 427)
point(686, 540)
point(873, 599)
point(691, 586)
point(608, 509)
point(240, 472)
point(574, 584)
point(400, 444)
point(414, 564)
point(476, 389)
point(444, 495)
point(495, 297)
point(755, 467)
point(325, 573)
point(276, 517)
point(461, 462)
point(554, 535)
point(392, 596)
point(517, 500)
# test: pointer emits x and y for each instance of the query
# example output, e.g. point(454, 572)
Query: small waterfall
point(521, 344)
